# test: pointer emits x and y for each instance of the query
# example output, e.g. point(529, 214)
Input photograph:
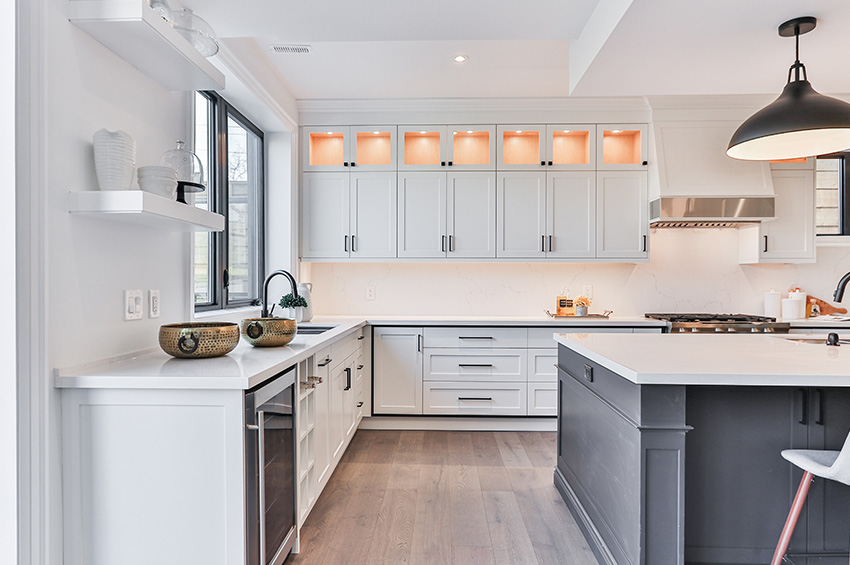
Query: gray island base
point(667, 474)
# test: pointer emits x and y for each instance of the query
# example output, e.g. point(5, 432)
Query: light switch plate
point(153, 303)
point(133, 305)
point(370, 293)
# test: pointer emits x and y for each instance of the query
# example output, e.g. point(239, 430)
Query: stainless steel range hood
point(693, 184)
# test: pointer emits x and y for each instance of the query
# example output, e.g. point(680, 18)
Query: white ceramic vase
point(304, 290)
point(114, 159)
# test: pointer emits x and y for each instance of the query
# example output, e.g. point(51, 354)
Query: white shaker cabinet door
point(521, 214)
point(622, 215)
point(324, 215)
point(471, 214)
point(422, 215)
point(571, 214)
point(397, 366)
point(791, 236)
point(373, 215)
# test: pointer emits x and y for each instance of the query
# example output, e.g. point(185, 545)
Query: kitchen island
point(669, 445)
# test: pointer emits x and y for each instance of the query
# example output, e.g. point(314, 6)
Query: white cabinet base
point(543, 399)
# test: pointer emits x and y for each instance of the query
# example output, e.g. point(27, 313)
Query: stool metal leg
point(793, 515)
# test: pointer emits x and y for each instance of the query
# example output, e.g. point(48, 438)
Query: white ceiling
point(373, 49)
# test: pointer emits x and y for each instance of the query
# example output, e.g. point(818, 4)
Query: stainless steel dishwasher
point(270, 469)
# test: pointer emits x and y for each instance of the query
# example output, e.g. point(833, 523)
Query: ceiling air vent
point(293, 49)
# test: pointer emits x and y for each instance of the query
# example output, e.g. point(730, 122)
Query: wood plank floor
point(453, 498)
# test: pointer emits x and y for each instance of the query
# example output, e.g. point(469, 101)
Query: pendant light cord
point(797, 66)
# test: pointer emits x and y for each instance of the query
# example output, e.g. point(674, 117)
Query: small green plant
point(289, 301)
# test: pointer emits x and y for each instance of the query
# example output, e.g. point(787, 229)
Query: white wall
point(690, 271)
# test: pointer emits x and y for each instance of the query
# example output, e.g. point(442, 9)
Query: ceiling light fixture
point(469, 131)
point(460, 58)
point(376, 132)
point(615, 131)
point(801, 122)
point(422, 132)
point(519, 131)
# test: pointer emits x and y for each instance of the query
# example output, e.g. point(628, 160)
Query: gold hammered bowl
point(268, 332)
point(195, 340)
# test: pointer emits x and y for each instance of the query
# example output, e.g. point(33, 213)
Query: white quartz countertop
point(241, 369)
point(541, 320)
point(709, 359)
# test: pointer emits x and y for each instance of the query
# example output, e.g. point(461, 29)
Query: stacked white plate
point(114, 159)
point(158, 180)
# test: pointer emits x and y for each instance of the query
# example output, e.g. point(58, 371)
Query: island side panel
point(621, 462)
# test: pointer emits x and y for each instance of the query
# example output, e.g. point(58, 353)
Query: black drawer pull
point(482, 398)
point(474, 364)
point(359, 404)
point(474, 337)
point(326, 362)
point(362, 337)
point(359, 367)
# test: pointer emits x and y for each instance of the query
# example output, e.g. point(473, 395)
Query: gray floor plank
point(393, 536)
point(513, 453)
point(432, 532)
point(472, 555)
point(511, 542)
point(469, 521)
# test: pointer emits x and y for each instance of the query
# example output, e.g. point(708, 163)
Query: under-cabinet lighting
point(330, 133)
point(376, 132)
point(461, 58)
point(566, 131)
point(469, 131)
point(423, 132)
point(616, 131)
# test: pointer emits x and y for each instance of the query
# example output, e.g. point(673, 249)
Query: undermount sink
point(314, 329)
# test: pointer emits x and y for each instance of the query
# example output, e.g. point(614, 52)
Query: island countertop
point(700, 359)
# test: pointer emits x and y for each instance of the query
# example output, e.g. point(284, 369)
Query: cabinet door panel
point(571, 214)
point(397, 370)
point(451, 364)
point(322, 395)
point(543, 398)
point(422, 215)
point(792, 234)
point(521, 215)
point(541, 365)
point(373, 215)
point(471, 214)
point(324, 215)
point(622, 215)
point(336, 433)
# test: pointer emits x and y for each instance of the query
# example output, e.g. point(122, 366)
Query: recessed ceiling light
point(330, 133)
point(616, 131)
point(469, 131)
point(460, 58)
point(376, 132)
point(566, 131)
point(423, 132)
point(519, 131)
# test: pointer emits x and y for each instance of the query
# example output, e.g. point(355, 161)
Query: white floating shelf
point(133, 31)
point(145, 209)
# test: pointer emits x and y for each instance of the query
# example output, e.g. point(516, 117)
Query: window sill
point(229, 315)
point(832, 241)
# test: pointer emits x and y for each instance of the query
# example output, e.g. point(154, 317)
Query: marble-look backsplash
point(691, 270)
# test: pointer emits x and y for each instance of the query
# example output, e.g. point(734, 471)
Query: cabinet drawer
point(541, 365)
point(543, 399)
point(542, 337)
point(487, 398)
point(476, 338)
point(345, 347)
point(453, 364)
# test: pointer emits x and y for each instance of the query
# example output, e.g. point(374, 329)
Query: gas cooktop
point(731, 323)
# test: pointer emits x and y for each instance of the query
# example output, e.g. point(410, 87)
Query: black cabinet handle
point(345, 164)
point(645, 163)
point(359, 367)
point(474, 364)
point(326, 362)
point(359, 404)
point(346, 244)
point(443, 245)
point(543, 244)
point(644, 244)
point(353, 241)
point(419, 343)
point(482, 398)
point(550, 163)
point(442, 163)
point(765, 244)
point(347, 378)
point(450, 163)
point(451, 243)
point(804, 407)
point(542, 163)
point(819, 420)
point(353, 163)
point(361, 338)
point(550, 243)
point(588, 373)
point(474, 337)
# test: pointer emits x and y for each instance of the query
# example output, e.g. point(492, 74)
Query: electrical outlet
point(133, 305)
point(587, 290)
point(153, 303)
point(370, 293)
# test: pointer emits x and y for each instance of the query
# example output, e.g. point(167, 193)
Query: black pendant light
point(800, 123)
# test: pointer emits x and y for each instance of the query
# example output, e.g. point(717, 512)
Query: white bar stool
point(833, 465)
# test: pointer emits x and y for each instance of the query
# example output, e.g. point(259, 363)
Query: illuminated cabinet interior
point(461, 147)
point(521, 147)
point(373, 147)
point(326, 149)
point(472, 147)
point(423, 147)
point(368, 148)
point(622, 146)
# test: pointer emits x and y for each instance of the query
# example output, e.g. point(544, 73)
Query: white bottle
point(304, 290)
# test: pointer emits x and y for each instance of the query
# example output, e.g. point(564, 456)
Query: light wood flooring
point(437, 497)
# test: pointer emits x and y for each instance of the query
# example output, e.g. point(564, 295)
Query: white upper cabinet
point(355, 148)
point(348, 215)
point(570, 214)
point(521, 214)
point(325, 215)
point(471, 147)
point(790, 237)
point(622, 215)
point(521, 147)
point(571, 147)
point(446, 148)
point(422, 215)
point(471, 214)
point(621, 147)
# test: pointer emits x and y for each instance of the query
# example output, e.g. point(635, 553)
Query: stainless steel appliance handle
point(261, 462)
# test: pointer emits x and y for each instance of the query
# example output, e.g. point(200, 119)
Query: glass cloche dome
point(190, 170)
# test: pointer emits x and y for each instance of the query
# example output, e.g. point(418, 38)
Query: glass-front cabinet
point(571, 147)
point(521, 147)
point(621, 147)
point(422, 148)
point(443, 148)
point(366, 148)
point(471, 147)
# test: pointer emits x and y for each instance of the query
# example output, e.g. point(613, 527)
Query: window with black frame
point(832, 212)
point(228, 266)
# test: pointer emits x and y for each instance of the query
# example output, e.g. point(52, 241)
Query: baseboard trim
point(591, 533)
point(469, 423)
